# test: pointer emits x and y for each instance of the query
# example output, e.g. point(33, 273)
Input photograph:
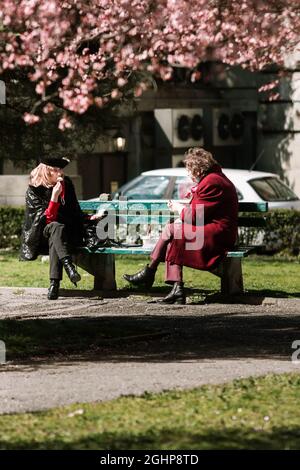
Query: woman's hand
point(56, 191)
point(96, 217)
point(100, 214)
point(175, 206)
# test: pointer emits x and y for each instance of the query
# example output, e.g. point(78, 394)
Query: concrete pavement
point(200, 344)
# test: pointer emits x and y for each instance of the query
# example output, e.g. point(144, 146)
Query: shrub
point(11, 221)
point(282, 232)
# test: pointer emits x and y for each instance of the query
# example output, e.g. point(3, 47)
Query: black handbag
point(93, 242)
point(91, 239)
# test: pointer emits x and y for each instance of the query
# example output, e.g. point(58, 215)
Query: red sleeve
point(203, 205)
point(51, 212)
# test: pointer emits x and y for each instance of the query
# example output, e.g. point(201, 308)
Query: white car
point(173, 183)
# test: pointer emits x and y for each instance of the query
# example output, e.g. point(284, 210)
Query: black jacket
point(37, 199)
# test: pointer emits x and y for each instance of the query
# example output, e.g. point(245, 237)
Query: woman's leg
point(160, 250)
point(173, 273)
point(55, 273)
point(147, 275)
point(59, 252)
point(55, 233)
point(56, 266)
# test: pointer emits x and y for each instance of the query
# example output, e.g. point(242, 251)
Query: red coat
point(219, 205)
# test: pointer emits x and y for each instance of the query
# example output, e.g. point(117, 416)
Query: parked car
point(173, 183)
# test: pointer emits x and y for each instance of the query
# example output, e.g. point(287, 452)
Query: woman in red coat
point(205, 232)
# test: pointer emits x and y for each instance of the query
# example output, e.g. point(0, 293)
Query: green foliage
point(281, 234)
point(11, 221)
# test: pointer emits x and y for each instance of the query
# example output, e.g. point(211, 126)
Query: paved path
point(199, 344)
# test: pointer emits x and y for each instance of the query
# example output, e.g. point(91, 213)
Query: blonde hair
point(40, 176)
point(197, 160)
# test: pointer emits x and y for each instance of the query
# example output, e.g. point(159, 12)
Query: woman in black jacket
point(53, 221)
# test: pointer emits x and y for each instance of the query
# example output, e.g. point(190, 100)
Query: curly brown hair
point(199, 161)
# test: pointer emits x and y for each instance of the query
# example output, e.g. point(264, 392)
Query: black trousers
point(56, 235)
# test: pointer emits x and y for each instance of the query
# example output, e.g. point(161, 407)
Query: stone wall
point(13, 189)
point(279, 128)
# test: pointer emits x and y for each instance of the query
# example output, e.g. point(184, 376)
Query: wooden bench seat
point(240, 252)
point(101, 262)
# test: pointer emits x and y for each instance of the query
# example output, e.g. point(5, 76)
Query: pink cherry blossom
point(65, 123)
point(84, 53)
point(48, 108)
point(31, 118)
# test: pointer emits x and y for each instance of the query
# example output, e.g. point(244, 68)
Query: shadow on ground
point(196, 296)
point(150, 338)
point(236, 438)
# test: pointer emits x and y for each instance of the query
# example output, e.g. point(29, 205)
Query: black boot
point(70, 269)
point(53, 289)
point(176, 296)
point(145, 277)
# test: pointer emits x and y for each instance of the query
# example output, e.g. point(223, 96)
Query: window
point(148, 187)
point(182, 186)
point(239, 194)
point(272, 189)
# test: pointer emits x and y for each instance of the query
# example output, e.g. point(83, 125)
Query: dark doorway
point(102, 173)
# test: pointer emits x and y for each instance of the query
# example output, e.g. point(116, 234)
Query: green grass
point(264, 274)
point(254, 413)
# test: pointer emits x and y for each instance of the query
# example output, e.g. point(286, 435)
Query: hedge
point(281, 234)
point(11, 220)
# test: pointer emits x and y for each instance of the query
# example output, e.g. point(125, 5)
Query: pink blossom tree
point(81, 54)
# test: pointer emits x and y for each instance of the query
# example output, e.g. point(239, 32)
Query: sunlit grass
point(260, 273)
point(254, 413)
